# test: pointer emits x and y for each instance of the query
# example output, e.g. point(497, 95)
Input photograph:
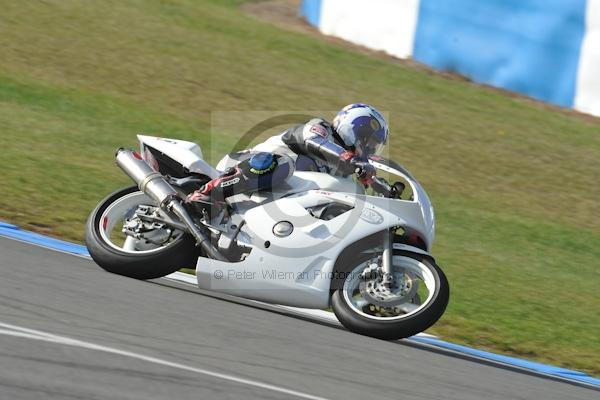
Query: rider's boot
point(211, 197)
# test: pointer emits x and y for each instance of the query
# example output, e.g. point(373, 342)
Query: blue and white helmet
point(361, 128)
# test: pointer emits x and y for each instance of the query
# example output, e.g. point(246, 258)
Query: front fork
point(386, 259)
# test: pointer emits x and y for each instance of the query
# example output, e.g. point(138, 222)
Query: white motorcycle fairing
point(188, 154)
point(297, 270)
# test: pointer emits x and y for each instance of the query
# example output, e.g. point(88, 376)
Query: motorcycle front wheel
point(413, 302)
point(158, 251)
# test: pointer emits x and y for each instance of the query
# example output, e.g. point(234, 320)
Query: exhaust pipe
point(154, 185)
point(149, 181)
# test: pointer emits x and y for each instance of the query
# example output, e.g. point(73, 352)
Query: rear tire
point(178, 254)
point(401, 328)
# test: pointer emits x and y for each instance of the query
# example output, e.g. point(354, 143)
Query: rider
point(342, 148)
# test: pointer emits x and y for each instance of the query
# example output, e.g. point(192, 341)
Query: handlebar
point(379, 185)
point(382, 186)
point(366, 174)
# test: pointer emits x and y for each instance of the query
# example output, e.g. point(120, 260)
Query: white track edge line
point(18, 331)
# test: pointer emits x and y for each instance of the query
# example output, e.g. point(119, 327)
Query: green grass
point(514, 183)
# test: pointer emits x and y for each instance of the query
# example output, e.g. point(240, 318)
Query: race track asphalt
point(118, 338)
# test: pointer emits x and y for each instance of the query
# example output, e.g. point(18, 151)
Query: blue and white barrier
point(546, 49)
point(588, 82)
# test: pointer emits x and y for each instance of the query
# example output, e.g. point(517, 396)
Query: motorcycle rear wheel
point(413, 316)
point(130, 259)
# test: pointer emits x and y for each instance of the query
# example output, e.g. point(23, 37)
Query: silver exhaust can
point(148, 181)
point(158, 189)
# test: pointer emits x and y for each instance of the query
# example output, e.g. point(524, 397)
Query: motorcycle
point(315, 241)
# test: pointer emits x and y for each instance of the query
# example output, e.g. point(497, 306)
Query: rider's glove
point(365, 171)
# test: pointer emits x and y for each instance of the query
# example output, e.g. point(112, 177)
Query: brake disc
point(401, 290)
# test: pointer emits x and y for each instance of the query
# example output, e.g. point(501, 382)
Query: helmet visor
point(370, 136)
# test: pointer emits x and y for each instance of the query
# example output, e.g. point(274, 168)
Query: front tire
point(419, 316)
point(147, 264)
